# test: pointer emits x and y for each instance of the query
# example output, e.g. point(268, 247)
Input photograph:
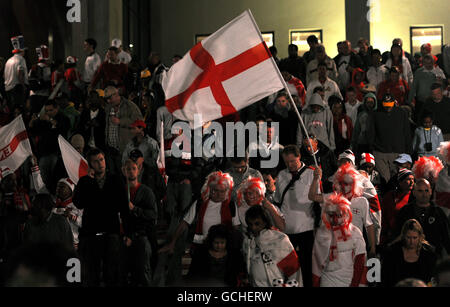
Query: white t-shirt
point(352, 111)
point(331, 88)
point(344, 76)
point(12, 68)
point(377, 75)
point(297, 208)
point(339, 273)
point(91, 65)
point(360, 211)
point(124, 57)
point(212, 217)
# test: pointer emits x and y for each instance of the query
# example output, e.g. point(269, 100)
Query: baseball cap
point(403, 158)
point(135, 154)
point(116, 43)
point(139, 123)
point(347, 154)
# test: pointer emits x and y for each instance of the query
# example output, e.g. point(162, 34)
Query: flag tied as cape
point(76, 165)
point(15, 146)
point(226, 72)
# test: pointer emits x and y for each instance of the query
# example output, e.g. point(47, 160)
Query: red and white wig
point(444, 152)
point(348, 181)
point(336, 207)
point(427, 168)
point(217, 178)
point(251, 183)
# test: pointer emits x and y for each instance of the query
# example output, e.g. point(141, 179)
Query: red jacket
point(398, 90)
point(110, 72)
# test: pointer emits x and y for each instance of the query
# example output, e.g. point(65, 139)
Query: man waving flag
point(15, 146)
point(226, 72)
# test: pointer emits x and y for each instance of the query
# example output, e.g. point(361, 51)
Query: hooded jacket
point(390, 132)
point(320, 124)
point(360, 128)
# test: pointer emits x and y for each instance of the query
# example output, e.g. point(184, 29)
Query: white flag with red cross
point(76, 165)
point(15, 146)
point(226, 72)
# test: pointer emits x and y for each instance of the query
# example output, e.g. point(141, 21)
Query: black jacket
point(142, 219)
point(48, 136)
point(151, 177)
point(101, 206)
point(390, 132)
point(295, 66)
point(326, 160)
point(433, 220)
point(394, 268)
point(85, 124)
point(355, 61)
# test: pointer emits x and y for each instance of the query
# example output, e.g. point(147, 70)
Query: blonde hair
point(414, 225)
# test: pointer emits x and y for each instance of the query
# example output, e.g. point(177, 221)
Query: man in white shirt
point(93, 60)
point(124, 57)
point(291, 195)
point(352, 104)
point(377, 72)
point(16, 75)
point(330, 87)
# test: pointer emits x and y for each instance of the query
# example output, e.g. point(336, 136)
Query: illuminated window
point(269, 38)
point(424, 35)
point(298, 37)
point(200, 37)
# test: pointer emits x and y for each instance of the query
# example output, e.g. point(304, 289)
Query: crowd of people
point(369, 179)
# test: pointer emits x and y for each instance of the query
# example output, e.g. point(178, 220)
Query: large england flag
point(76, 165)
point(15, 146)
point(226, 72)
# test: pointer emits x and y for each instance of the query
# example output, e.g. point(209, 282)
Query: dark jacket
point(326, 160)
point(390, 132)
point(394, 268)
point(440, 111)
point(434, 222)
point(204, 267)
point(355, 61)
point(48, 136)
point(142, 219)
point(151, 177)
point(101, 206)
point(97, 124)
point(55, 229)
point(295, 66)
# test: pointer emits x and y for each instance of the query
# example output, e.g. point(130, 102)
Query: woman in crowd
point(410, 256)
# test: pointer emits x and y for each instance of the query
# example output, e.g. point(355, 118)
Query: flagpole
point(291, 100)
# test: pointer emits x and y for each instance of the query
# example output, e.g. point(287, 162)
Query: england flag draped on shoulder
point(226, 72)
point(15, 146)
point(76, 165)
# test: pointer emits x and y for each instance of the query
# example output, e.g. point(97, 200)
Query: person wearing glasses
point(120, 114)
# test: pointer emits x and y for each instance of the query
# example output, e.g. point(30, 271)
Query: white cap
point(116, 43)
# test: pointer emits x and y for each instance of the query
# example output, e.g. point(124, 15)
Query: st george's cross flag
point(224, 73)
point(76, 165)
point(15, 146)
